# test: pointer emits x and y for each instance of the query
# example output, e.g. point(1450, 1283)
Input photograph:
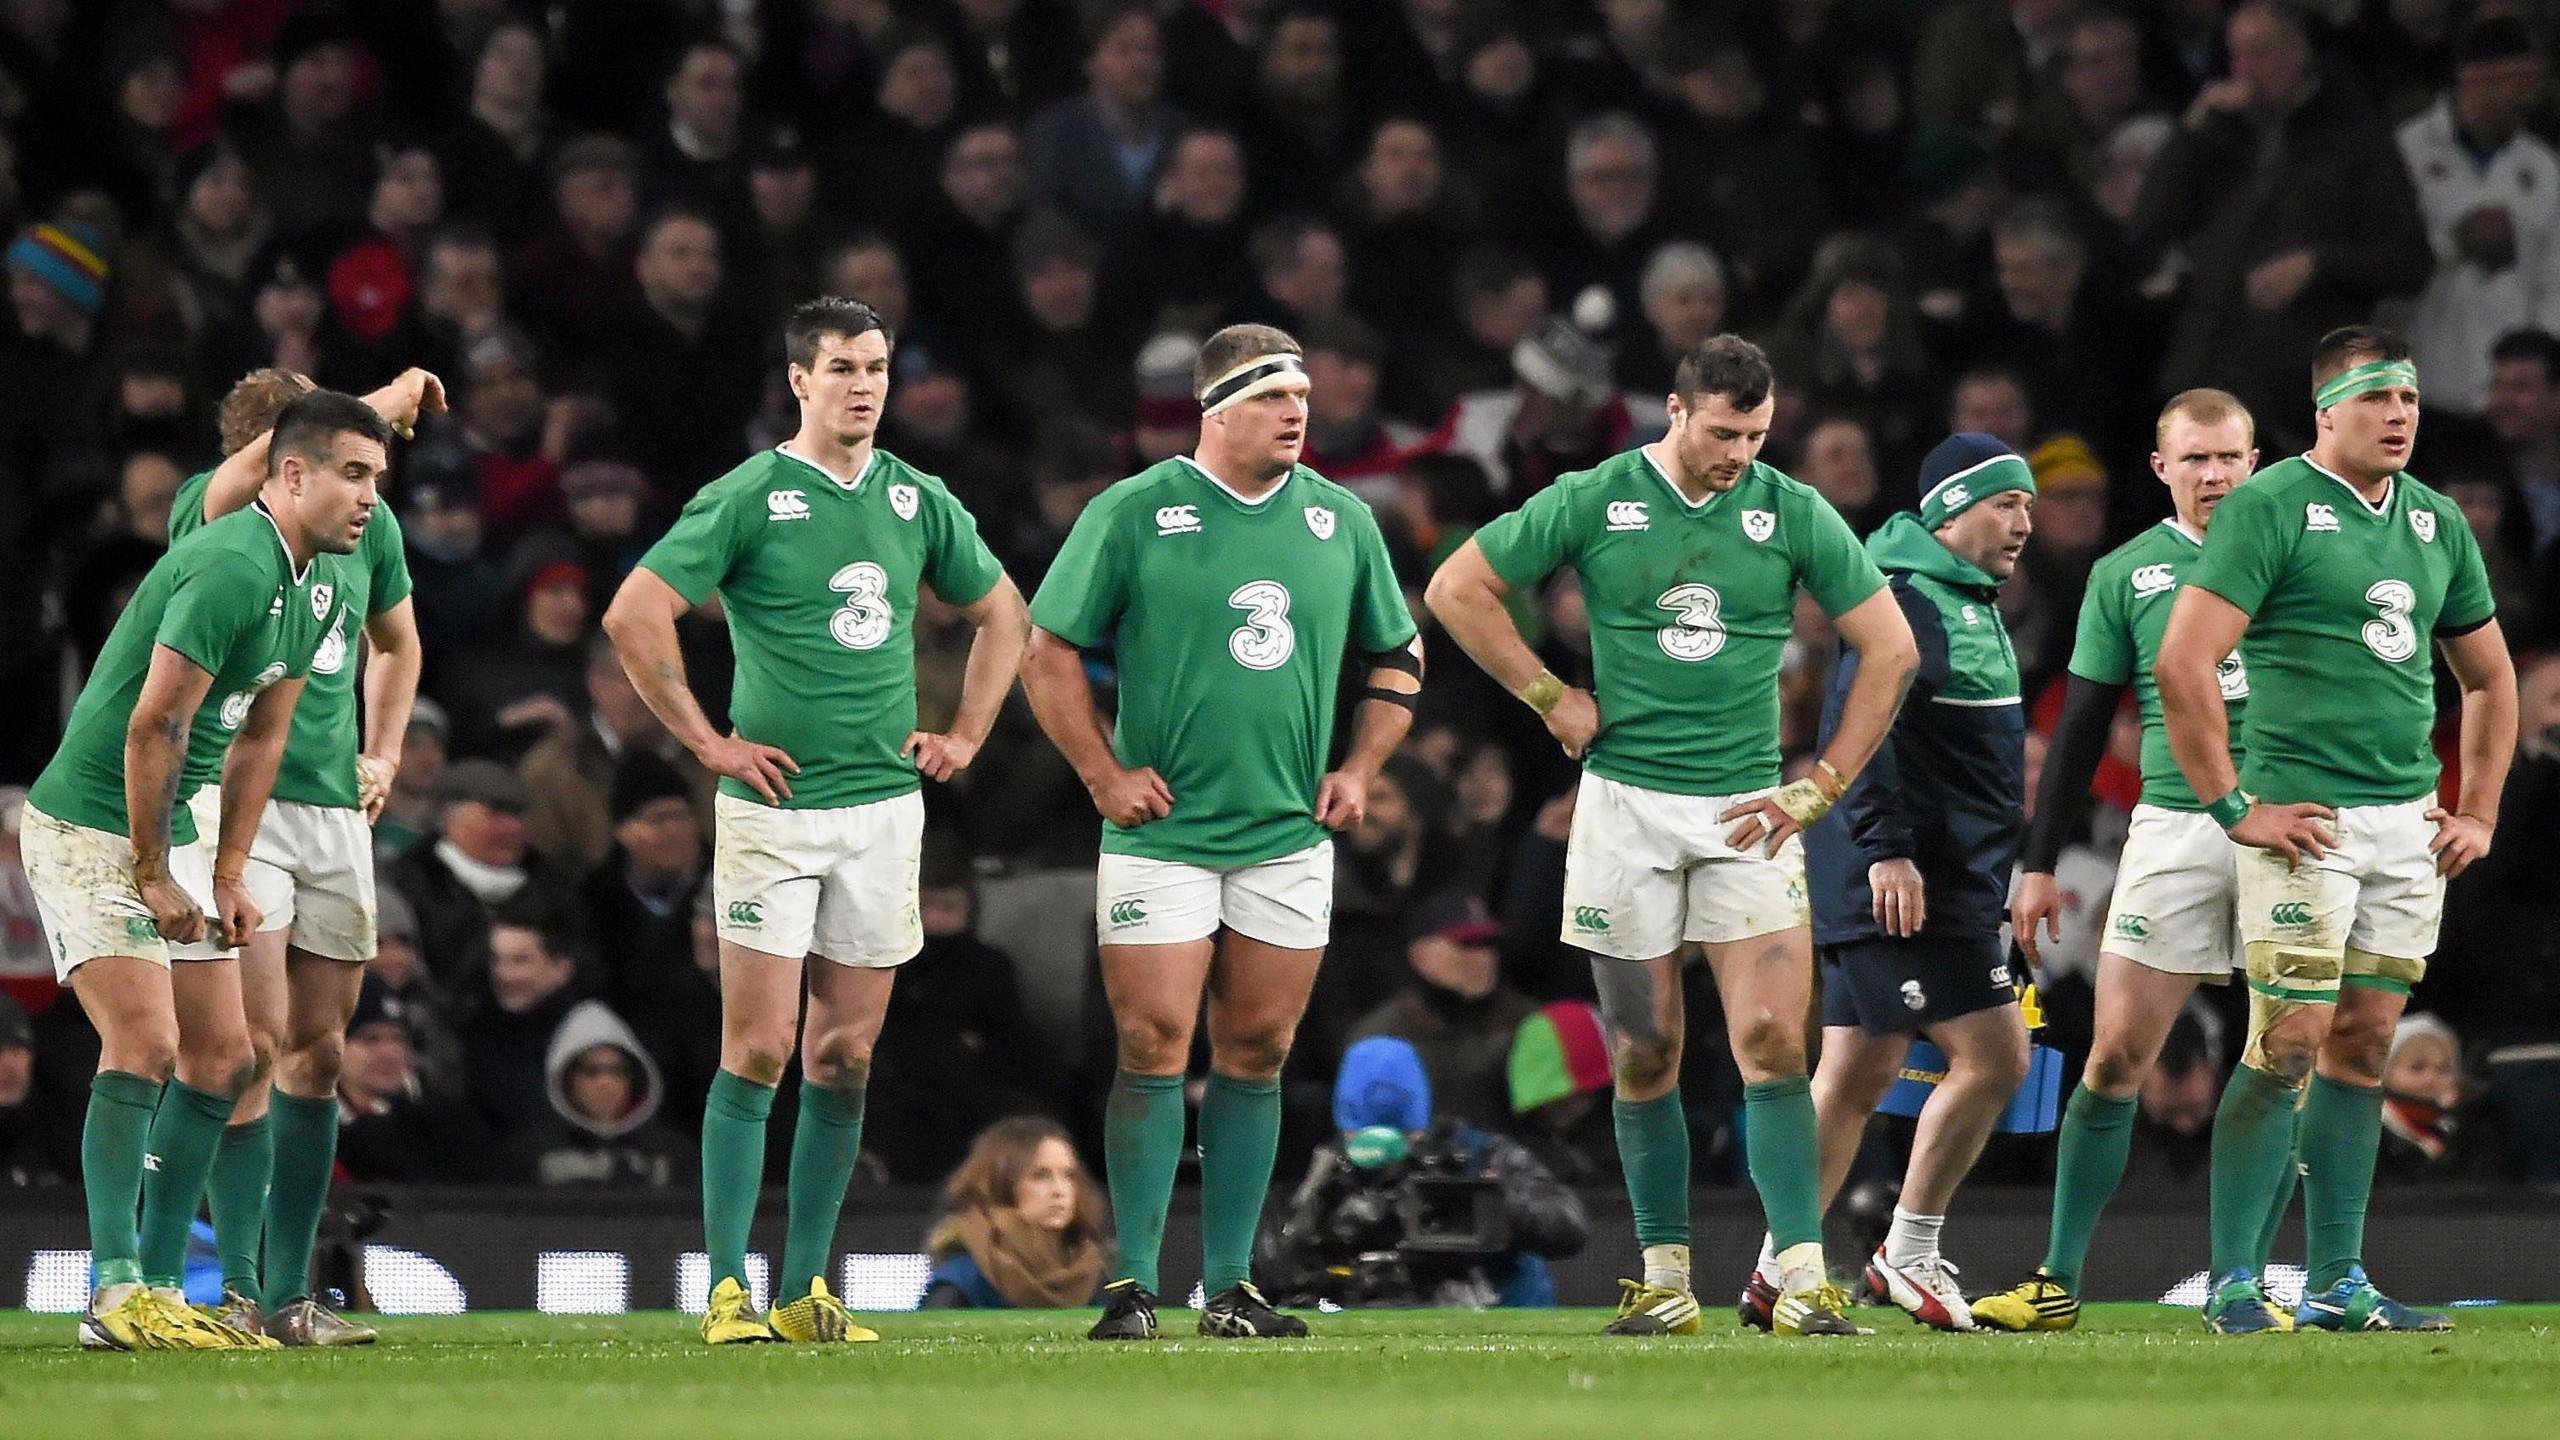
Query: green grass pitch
point(2131, 1372)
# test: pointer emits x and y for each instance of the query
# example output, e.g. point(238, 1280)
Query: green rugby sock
point(2284, 1198)
point(732, 1170)
point(179, 1159)
point(2252, 1145)
point(306, 1152)
point(1782, 1143)
point(237, 1196)
point(1653, 1149)
point(113, 1140)
point(2097, 1137)
point(1141, 1150)
point(1239, 1144)
point(824, 1146)
point(2341, 1137)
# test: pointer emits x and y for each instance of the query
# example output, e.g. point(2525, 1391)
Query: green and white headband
point(2372, 375)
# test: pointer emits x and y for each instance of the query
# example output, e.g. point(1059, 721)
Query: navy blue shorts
point(1899, 987)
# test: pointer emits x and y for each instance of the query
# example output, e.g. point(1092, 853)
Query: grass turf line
point(1379, 1376)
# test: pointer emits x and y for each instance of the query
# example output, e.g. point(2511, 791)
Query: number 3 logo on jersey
point(1266, 640)
point(2391, 636)
point(863, 621)
point(1699, 632)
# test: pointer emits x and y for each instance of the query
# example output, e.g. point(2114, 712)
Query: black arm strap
point(2070, 763)
point(1406, 657)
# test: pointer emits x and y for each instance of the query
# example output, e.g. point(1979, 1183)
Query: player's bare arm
point(242, 473)
point(248, 780)
point(1888, 659)
point(392, 664)
point(155, 755)
point(1061, 698)
point(1378, 726)
point(2487, 674)
point(2203, 628)
point(995, 657)
point(641, 622)
point(1466, 596)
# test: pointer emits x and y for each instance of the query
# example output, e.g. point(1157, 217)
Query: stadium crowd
point(1493, 225)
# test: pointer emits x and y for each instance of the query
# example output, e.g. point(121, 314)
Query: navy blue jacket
point(1947, 791)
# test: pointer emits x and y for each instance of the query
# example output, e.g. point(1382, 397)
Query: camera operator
point(1406, 1210)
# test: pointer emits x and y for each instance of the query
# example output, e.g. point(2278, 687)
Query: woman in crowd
point(1024, 1230)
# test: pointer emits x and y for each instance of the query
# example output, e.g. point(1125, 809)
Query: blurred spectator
point(1497, 121)
point(1406, 220)
point(1558, 1074)
point(579, 776)
point(57, 282)
point(1067, 358)
point(607, 499)
point(1612, 181)
point(575, 276)
point(2524, 410)
point(1299, 127)
point(1561, 413)
point(779, 252)
point(1500, 300)
point(2489, 191)
point(643, 896)
point(461, 593)
point(216, 232)
point(953, 1056)
point(698, 159)
point(1094, 156)
point(2247, 191)
point(311, 152)
point(1683, 299)
point(1407, 1207)
point(890, 166)
point(1749, 183)
point(499, 405)
point(2071, 517)
point(603, 1127)
point(1023, 1225)
point(1838, 459)
point(392, 1125)
point(23, 1158)
point(2425, 1134)
point(934, 425)
point(2088, 357)
point(2097, 87)
point(868, 267)
point(494, 153)
point(1980, 60)
point(146, 485)
point(526, 992)
point(1168, 415)
point(506, 694)
point(1458, 1015)
point(964, 234)
point(480, 869)
point(26, 961)
point(2173, 1126)
point(1348, 441)
point(685, 371)
point(410, 814)
point(373, 274)
point(1849, 344)
point(1300, 271)
point(1993, 400)
point(425, 1012)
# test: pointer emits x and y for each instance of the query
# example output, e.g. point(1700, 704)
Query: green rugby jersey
point(228, 598)
point(1691, 608)
point(320, 755)
point(818, 579)
point(2342, 598)
point(1228, 620)
point(2123, 613)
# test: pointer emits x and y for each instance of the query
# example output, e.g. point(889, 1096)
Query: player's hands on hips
point(2460, 839)
point(2298, 831)
point(374, 774)
point(1575, 722)
point(1901, 906)
point(939, 757)
point(172, 910)
point(758, 767)
point(236, 917)
point(1342, 799)
point(1131, 798)
point(2035, 909)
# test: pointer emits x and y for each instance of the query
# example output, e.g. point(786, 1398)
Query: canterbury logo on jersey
point(1177, 520)
point(2152, 580)
point(1590, 917)
point(1128, 912)
point(786, 505)
point(2316, 516)
point(2291, 912)
point(1629, 515)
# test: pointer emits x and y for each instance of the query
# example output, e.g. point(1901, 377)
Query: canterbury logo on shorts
point(1590, 917)
point(746, 912)
point(1127, 912)
point(2292, 912)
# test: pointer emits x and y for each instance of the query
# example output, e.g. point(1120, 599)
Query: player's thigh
point(867, 910)
point(765, 875)
point(2175, 896)
point(846, 1006)
point(2399, 895)
point(1859, 1064)
point(1258, 990)
point(1624, 888)
point(321, 996)
point(759, 1011)
point(85, 897)
point(1155, 993)
point(129, 1001)
point(265, 986)
point(1991, 1041)
point(2293, 923)
point(1766, 985)
point(1142, 902)
point(2136, 1005)
point(333, 905)
point(214, 1052)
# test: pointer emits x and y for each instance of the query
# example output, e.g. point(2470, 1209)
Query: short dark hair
point(310, 427)
point(1235, 345)
point(2343, 348)
point(813, 320)
point(2539, 346)
point(1725, 365)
